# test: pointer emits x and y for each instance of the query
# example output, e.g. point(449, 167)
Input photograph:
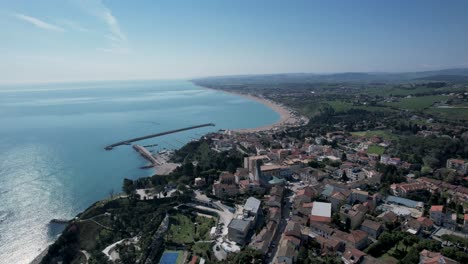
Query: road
point(225, 217)
point(285, 216)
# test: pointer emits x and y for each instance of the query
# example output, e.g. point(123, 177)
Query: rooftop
point(239, 224)
point(321, 209)
point(252, 204)
point(437, 208)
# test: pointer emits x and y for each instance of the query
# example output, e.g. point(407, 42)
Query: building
point(388, 217)
point(458, 165)
point(372, 228)
point(238, 230)
point(225, 186)
point(437, 214)
point(321, 212)
point(429, 257)
point(319, 229)
point(358, 195)
point(251, 209)
point(427, 225)
point(405, 202)
point(287, 252)
point(405, 189)
point(352, 216)
point(199, 182)
point(352, 256)
point(357, 239)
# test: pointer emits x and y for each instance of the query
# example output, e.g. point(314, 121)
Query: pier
point(147, 155)
point(127, 142)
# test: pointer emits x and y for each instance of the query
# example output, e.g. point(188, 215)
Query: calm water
point(52, 162)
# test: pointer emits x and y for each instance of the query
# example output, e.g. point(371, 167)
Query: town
point(359, 184)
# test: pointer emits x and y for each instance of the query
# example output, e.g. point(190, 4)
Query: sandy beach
point(287, 117)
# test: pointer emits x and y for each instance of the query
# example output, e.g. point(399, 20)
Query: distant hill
point(445, 78)
point(449, 75)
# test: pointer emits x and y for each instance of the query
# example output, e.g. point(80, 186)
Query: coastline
point(288, 118)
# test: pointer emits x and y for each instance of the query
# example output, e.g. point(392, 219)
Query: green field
point(379, 133)
point(341, 106)
point(376, 149)
point(450, 113)
point(418, 103)
point(186, 229)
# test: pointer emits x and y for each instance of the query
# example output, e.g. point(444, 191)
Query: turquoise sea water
point(52, 161)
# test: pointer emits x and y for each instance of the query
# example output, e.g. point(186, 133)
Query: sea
point(52, 138)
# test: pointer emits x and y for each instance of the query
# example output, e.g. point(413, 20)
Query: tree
point(158, 189)
point(128, 186)
point(344, 157)
point(344, 177)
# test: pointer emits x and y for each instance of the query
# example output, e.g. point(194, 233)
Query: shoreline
point(288, 118)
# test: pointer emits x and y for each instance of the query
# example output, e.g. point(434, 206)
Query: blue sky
point(69, 40)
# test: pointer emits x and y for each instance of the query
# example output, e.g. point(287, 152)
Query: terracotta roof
point(322, 219)
point(357, 236)
point(371, 224)
point(437, 208)
point(426, 222)
point(353, 255)
point(296, 241)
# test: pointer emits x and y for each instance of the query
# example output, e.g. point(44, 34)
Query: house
point(352, 256)
point(200, 182)
point(338, 199)
point(319, 229)
point(412, 226)
point(330, 245)
point(358, 195)
point(465, 222)
point(372, 228)
point(388, 217)
point(238, 230)
point(405, 189)
point(351, 216)
point(224, 190)
point(458, 165)
point(429, 257)
point(357, 239)
point(321, 212)
point(287, 252)
point(427, 225)
point(450, 221)
point(226, 185)
point(293, 229)
point(274, 201)
point(437, 214)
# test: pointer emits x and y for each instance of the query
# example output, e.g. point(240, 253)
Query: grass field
point(379, 133)
point(450, 113)
point(387, 259)
point(341, 106)
point(376, 149)
point(184, 230)
point(418, 103)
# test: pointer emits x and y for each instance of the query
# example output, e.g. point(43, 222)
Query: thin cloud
point(73, 25)
point(39, 23)
point(115, 36)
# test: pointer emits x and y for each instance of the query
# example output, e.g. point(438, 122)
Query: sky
point(82, 40)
